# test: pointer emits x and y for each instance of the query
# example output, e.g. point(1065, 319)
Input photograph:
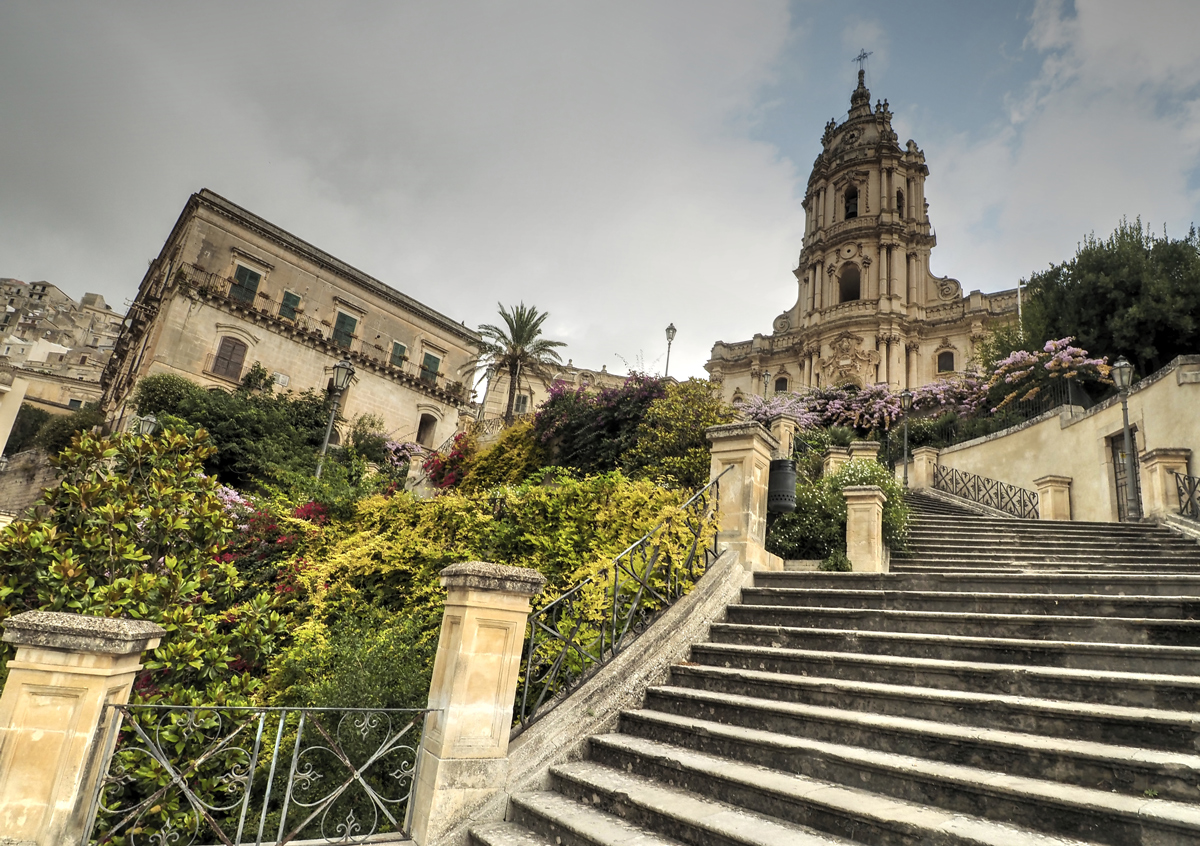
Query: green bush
point(817, 528)
point(25, 427)
point(515, 457)
point(55, 434)
point(837, 562)
point(669, 444)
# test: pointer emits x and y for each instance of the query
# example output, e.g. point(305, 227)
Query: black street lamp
point(343, 372)
point(147, 425)
point(906, 401)
point(1122, 374)
point(670, 338)
point(766, 382)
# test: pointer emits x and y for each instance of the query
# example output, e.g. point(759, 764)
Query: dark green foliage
point(817, 528)
point(260, 435)
point(837, 562)
point(590, 431)
point(669, 444)
point(55, 434)
point(1135, 294)
point(515, 457)
point(29, 420)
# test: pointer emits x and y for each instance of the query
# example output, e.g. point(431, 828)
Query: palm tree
point(515, 350)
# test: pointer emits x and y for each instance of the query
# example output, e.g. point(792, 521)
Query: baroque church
point(868, 309)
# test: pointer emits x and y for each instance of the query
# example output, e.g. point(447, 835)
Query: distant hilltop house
point(868, 309)
point(52, 347)
point(229, 289)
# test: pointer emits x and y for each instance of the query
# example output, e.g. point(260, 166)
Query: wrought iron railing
point(1189, 495)
point(1018, 502)
point(239, 775)
point(575, 635)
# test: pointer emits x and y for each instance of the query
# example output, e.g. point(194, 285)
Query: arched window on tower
point(946, 362)
point(849, 287)
point(900, 202)
point(851, 202)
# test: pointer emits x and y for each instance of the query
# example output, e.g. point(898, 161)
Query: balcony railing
point(291, 317)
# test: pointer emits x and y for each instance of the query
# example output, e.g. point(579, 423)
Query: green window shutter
point(398, 351)
point(245, 284)
point(343, 329)
point(287, 309)
point(429, 368)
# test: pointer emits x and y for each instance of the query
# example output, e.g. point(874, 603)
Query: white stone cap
point(741, 429)
point(80, 633)
point(483, 575)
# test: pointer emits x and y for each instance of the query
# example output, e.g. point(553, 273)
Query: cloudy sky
point(621, 165)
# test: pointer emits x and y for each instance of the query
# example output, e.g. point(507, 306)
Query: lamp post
point(906, 400)
point(1122, 373)
point(147, 425)
point(343, 372)
point(670, 338)
point(766, 382)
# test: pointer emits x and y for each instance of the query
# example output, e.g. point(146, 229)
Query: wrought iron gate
point(1121, 476)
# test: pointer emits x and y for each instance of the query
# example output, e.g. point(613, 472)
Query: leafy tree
point(590, 431)
point(669, 442)
point(26, 425)
point(135, 530)
point(516, 348)
point(55, 434)
point(259, 435)
point(1134, 294)
point(515, 457)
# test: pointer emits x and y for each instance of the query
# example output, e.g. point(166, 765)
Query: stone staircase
point(1010, 683)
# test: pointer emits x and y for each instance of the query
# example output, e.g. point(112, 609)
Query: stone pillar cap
point(81, 633)
point(484, 575)
point(864, 492)
point(741, 429)
point(1053, 479)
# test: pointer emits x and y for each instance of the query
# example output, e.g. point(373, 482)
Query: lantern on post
point(1122, 375)
point(343, 372)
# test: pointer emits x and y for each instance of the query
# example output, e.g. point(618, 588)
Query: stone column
point(924, 459)
point(463, 760)
point(783, 429)
point(835, 457)
point(52, 717)
point(1054, 497)
point(864, 450)
point(747, 448)
point(1158, 468)
point(864, 528)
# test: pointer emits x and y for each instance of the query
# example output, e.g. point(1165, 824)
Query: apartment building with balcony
point(229, 289)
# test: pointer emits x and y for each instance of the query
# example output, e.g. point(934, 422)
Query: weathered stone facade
point(230, 289)
point(868, 310)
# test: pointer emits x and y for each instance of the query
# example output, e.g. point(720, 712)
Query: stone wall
point(23, 480)
point(1076, 443)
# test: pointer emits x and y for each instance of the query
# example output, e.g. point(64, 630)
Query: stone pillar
point(835, 457)
point(864, 528)
point(52, 716)
point(1158, 469)
point(1054, 497)
point(11, 397)
point(463, 760)
point(783, 429)
point(924, 459)
point(864, 450)
point(747, 448)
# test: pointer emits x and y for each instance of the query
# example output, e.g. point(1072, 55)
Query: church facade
point(868, 308)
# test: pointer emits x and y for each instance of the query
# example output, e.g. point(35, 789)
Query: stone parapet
point(924, 460)
point(744, 449)
point(864, 528)
point(1159, 466)
point(462, 762)
point(67, 668)
point(1054, 497)
point(835, 457)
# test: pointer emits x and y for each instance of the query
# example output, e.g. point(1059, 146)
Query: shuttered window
point(231, 355)
point(429, 368)
point(343, 329)
point(398, 351)
point(245, 284)
point(287, 309)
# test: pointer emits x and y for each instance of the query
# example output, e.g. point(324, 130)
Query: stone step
point(1042, 627)
point(1161, 607)
point(549, 818)
point(669, 714)
point(1122, 657)
point(512, 834)
point(1108, 584)
point(1034, 566)
point(880, 816)
point(924, 690)
point(1051, 546)
point(598, 805)
point(1022, 523)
